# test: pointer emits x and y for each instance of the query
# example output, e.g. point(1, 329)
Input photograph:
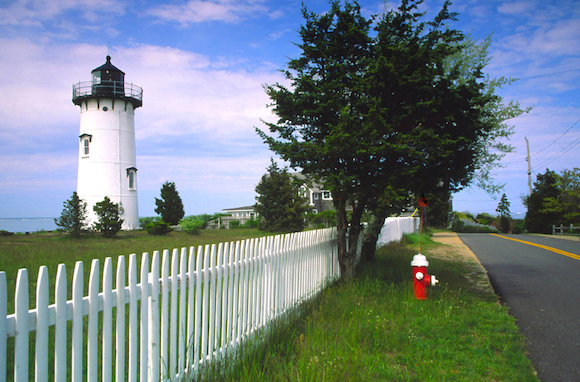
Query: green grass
point(373, 329)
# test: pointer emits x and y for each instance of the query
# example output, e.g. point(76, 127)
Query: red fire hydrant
point(421, 280)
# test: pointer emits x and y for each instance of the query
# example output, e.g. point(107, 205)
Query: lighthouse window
point(131, 178)
point(86, 146)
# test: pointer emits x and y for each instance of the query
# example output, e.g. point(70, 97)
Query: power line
point(549, 74)
point(570, 128)
point(569, 147)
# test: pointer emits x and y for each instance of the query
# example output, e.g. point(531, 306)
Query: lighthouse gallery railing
point(107, 88)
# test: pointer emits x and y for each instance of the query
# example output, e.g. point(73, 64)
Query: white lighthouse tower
point(107, 159)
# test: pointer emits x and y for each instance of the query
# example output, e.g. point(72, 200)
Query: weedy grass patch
point(373, 329)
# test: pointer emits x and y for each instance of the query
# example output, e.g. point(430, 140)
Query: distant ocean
point(20, 225)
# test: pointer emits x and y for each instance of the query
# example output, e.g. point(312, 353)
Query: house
point(239, 214)
point(318, 198)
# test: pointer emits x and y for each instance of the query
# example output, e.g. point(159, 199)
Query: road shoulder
point(455, 250)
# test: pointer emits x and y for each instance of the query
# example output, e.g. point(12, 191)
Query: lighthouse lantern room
point(107, 158)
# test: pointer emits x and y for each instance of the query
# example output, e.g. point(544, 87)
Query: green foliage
point(170, 206)
point(192, 224)
point(73, 216)
point(145, 221)
point(322, 219)
point(252, 223)
point(504, 224)
point(6, 233)
point(109, 222)
point(405, 108)
point(158, 228)
point(540, 219)
point(485, 218)
point(503, 208)
point(279, 204)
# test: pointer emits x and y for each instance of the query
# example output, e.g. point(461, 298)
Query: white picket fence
point(395, 227)
point(195, 308)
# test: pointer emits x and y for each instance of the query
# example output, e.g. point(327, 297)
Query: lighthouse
point(107, 158)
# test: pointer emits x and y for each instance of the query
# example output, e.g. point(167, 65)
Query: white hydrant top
point(419, 261)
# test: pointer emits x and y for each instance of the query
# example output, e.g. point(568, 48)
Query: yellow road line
point(559, 251)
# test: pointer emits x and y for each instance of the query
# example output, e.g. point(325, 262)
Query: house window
point(316, 195)
point(132, 178)
point(326, 195)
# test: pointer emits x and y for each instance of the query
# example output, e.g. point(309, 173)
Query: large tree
point(279, 203)
point(170, 206)
point(540, 217)
point(74, 216)
point(380, 118)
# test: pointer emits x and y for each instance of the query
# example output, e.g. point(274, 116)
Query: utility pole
point(529, 166)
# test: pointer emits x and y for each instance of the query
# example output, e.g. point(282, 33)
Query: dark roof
point(107, 66)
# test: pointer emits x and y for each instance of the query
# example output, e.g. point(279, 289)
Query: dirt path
point(454, 249)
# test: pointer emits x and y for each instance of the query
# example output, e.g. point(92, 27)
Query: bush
point(109, 222)
point(251, 224)
point(157, 228)
point(144, 222)
point(6, 233)
point(235, 224)
point(192, 224)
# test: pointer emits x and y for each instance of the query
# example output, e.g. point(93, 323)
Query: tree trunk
point(347, 251)
point(371, 235)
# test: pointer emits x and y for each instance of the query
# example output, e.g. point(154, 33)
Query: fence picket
point(60, 312)
point(133, 339)
point(198, 303)
point(164, 313)
point(182, 308)
point(173, 313)
point(190, 307)
point(21, 327)
point(41, 349)
point(107, 330)
point(195, 308)
point(153, 349)
point(120, 338)
point(204, 305)
point(93, 326)
point(144, 317)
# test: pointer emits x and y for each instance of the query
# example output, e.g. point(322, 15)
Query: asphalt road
point(542, 290)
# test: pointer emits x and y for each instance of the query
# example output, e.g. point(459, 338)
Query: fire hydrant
point(421, 280)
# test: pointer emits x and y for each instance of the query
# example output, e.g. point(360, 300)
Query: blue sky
point(202, 65)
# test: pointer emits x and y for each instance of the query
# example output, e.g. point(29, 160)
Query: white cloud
point(23, 12)
point(195, 11)
point(515, 7)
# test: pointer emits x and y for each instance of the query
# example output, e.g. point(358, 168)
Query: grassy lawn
point(373, 329)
